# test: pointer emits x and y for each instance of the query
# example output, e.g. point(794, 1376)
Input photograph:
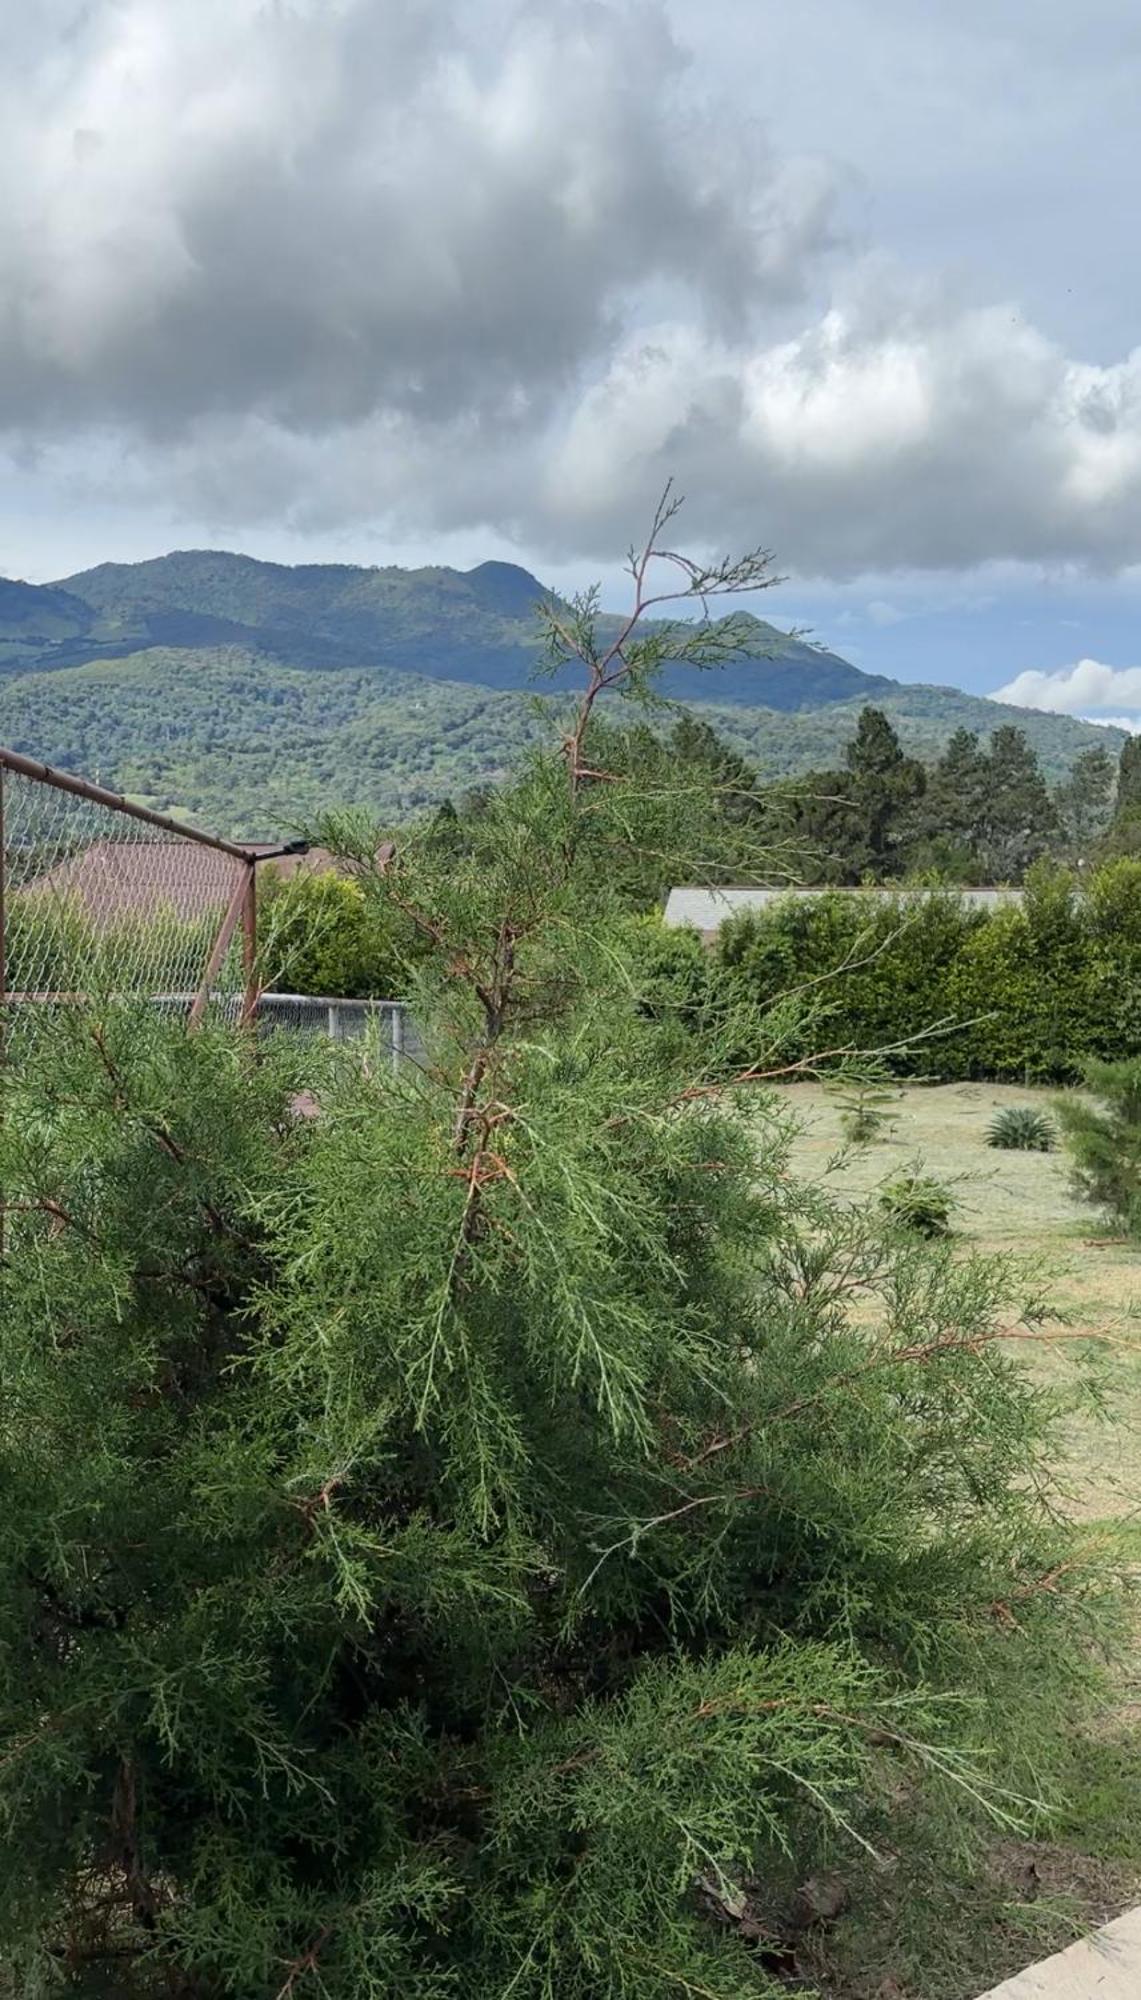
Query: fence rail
point(344, 1020)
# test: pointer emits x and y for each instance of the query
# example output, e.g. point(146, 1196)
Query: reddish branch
point(931, 1350)
point(127, 1846)
point(306, 1963)
point(610, 667)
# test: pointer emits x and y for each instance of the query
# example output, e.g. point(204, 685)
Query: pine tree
point(1082, 801)
point(953, 806)
point(1017, 819)
point(1104, 1141)
point(471, 1542)
point(884, 784)
point(1124, 833)
point(1129, 777)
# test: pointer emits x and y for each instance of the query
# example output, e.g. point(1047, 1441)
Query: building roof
point(706, 910)
point(115, 881)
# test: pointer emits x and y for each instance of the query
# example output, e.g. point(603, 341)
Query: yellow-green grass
point(930, 1934)
point(1019, 1204)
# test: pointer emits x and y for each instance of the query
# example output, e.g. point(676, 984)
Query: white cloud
point(501, 267)
point(1090, 689)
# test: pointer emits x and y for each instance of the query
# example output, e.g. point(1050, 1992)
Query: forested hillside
point(479, 625)
point(248, 744)
point(251, 694)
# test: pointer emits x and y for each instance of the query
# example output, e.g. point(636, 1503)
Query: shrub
point(671, 970)
point(320, 934)
point(865, 1112)
point(946, 991)
point(1019, 1128)
point(872, 970)
point(918, 1203)
point(1104, 1141)
point(478, 1541)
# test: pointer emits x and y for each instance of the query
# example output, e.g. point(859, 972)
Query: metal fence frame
point(241, 910)
point(344, 1021)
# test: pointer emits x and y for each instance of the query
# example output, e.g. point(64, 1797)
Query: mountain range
point(251, 694)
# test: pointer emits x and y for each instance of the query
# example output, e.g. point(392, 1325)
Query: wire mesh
point(388, 1021)
point(101, 904)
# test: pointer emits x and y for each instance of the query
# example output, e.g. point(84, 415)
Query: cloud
point(1089, 689)
point(320, 212)
point(456, 265)
point(893, 433)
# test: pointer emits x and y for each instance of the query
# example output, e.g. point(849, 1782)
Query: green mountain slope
point(477, 625)
point(36, 619)
point(249, 745)
point(923, 717)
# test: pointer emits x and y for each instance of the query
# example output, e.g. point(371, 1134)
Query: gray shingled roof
point(706, 909)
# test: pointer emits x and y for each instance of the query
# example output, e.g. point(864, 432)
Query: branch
point(306, 1963)
point(931, 1350)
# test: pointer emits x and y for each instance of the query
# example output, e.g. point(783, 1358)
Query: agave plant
point(1021, 1129)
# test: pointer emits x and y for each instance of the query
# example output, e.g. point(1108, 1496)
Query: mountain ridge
point(475, 625)
point(253, 695)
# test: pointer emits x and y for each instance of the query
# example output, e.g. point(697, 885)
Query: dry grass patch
point(931, 1932)
point(1019, 1204)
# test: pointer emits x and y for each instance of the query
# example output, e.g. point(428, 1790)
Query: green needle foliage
point(866, 1110)
point(495, 1537)
point(917, 1202)
point(1103, 1139)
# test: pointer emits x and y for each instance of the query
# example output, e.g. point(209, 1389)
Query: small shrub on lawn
point(866, 1114)
point(1021, 1129)
point(918, 1203)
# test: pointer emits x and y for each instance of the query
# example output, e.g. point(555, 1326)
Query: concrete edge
point(1104, 1966)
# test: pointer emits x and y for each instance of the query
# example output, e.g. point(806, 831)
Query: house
point(113, 882)
point(705, 910)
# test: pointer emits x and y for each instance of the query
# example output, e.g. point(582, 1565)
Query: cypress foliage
point(1104, 1141)
point(493, 1538)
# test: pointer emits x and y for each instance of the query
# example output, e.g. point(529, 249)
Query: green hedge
point(1022, 993)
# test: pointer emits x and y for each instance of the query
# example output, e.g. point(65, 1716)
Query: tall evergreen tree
point(471, 1542)
point(1082, 801)
point(943, 824)
point(884, 785)
point(1123, 835)
point(1129, 778)
point(1017, 821)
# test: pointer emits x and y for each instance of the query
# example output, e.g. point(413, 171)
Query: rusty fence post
point(250, 990)
point(221, 946)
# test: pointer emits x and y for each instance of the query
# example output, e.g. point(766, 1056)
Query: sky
point(442, 280)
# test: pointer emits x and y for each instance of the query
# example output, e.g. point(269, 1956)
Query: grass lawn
point(940, 1936)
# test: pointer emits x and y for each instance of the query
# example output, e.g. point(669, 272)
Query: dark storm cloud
point(314, 213)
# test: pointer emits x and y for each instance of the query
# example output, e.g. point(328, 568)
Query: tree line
point(983, 812)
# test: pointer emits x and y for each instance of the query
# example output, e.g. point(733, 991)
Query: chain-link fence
point(101, 899)
point(388, 1021)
